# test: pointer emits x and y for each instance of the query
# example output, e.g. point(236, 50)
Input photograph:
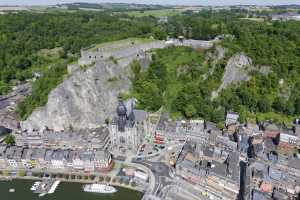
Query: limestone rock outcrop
point(84, 100)
point(236, 70)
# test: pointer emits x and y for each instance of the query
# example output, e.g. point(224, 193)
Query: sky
point(174, 2)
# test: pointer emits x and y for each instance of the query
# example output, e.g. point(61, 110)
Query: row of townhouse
point(89, 139)
point(87, 160)
point(213, 167)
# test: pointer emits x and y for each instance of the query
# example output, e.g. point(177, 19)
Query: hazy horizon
point(166, 2)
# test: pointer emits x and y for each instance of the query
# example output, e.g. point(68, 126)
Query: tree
point(278, 104)
point(190, 111)
point(297, 106)
point(264, 105)
point(150, 96)
point(218, 115)
point(159, 33)
point(289, 107)
point(242, 114)
point(135, 68)
point(10, 140)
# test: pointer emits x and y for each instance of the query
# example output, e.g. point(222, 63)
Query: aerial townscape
point(151, 102)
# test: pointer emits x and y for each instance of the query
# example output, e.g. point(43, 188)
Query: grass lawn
point(120, 44)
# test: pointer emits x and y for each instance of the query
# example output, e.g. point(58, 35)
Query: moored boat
point(12, 190)
point(35, 186)
point(99, 188)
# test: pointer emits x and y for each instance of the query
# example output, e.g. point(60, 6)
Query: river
point(65, 191)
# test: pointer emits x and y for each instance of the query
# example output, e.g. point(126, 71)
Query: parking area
point(149, 149)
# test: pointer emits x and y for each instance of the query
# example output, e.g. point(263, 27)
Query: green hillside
point(274, 95)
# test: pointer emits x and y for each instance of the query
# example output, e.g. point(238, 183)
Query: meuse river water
point(65, 191)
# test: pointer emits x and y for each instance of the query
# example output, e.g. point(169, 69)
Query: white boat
point(42, 194)
point(35, 186)
point(99, 188)
point(12, 190)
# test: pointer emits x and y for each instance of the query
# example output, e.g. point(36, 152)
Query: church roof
point(121, 109)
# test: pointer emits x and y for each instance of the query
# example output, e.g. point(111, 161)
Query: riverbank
point(104, 181)
point(65, 191)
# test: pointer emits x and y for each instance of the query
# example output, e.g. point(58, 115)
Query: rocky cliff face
point(236, 70)
point(85, 99)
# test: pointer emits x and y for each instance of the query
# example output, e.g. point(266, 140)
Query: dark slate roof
point(258, 148)
point(219, 169)
point(121, 109)
point(58, 155)
point(279, 195)
point(38, 153)
point(269, 144)
point(48, 154)
point(257, 195)
point(275, 173)
point(233, 165)
point(4, 130)
point(208, 151)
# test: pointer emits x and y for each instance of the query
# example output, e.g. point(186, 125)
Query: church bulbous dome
point(121, 109)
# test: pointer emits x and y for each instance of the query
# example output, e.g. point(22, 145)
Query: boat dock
point(47, 186)
point(53, 187)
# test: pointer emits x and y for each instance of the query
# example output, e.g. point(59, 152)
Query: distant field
point(254, 19)
point(156, 13)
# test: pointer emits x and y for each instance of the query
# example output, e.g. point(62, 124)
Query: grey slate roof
point(10, 152)
point(18, 153)
point(58, 154)
point(257, 195)
point(101, 155)
point(140, 115)
point(2, 151)
point(219, 169)
point(38, 154)
point(26, 154)
point(48, 154)
point(275, 173)
point(294, 163)
point(87, 156)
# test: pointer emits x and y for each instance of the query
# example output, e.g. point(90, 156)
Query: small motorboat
point(12, 190)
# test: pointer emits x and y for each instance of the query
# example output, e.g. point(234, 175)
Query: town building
point(214, 167)
point(3, 163)
point(87, 157)
point(103, 160)
point(26, 158)
point(127, 129)
point(77, 161)
point(231, 118)
point(38, 157)
point(69, 139)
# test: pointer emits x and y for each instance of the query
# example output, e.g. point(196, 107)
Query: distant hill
point(110, 6)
